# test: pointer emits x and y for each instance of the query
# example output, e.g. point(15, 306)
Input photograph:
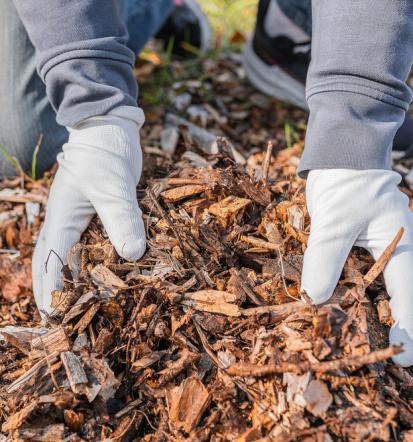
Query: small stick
point(260, 243)
point(381, 263)
point(246, 369)
point(267, 162)
point(206, 346)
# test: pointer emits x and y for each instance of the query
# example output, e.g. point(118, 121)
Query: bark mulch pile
point(206, 338)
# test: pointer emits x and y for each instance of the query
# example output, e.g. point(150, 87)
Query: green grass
point(11, 159)
point(230, 16)
point(227, 18)
point(34, 158)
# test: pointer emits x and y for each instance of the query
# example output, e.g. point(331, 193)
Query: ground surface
point(205, 338)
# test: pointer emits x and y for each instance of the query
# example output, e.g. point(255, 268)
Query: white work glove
point(99, 169)
point(365, 208)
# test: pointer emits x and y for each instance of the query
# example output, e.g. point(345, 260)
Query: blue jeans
point(25, 112)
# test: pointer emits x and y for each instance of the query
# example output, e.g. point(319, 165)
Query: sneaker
point(187, 29)
point(403, 141)
point(277, 65)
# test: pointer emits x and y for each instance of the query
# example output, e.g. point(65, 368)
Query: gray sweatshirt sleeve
point(82, 55)
point(362, 51)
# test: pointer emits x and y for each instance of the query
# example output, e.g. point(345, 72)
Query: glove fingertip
point(319, 293)
point(132, 248)
point(400, 336)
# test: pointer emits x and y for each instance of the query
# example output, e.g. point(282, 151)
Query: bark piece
point(81, 305)
point(295, 217)
point(105, 278)
point(17, 419)
point(81, 326)
point(102, 379)
point(74, 420)
point(74, 371)
point(53, 341)
point(188, 403)
point(251, 435)
point(26, 377)
point(384, 312)
point(183, 192)
point(21, 337)
point(62, 301)
point(227, 209)
point(212, 301)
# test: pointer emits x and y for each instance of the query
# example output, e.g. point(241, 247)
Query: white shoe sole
point(272, 80)
point(206, 33)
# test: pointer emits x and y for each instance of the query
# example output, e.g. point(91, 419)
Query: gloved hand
point(365, 208)
point(99, 169)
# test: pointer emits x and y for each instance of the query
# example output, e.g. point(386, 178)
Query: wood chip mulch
point(207, 338)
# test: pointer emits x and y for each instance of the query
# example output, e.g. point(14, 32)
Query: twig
point(381, 263)
point(246, 369)
point(128, 426)
point(267, 162)
point(49, 365)
point(168, 220)
point(206, 345)
point(283, 275)
point(260, 243)
point(388, 420)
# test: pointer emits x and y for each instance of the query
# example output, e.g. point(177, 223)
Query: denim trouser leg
point(143, 19)
point(25, 112)
point(299, 11)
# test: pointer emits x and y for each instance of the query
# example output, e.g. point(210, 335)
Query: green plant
point(34, 158)
point(11, 159)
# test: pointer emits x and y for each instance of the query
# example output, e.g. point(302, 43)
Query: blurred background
point(230, 17)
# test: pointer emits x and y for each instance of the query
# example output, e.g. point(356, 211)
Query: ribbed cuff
point(351, 129)
point(132, 113)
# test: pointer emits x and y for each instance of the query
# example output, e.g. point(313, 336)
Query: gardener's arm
point(362, 52)
point(88, 71)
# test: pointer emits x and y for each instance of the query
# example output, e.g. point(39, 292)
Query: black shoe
point(276, 65)
point(403, 141)
point(187, 30)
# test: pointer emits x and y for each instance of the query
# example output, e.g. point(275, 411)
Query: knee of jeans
point(30, 143)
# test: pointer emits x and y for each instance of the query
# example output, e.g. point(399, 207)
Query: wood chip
point(212, 301)
point(27, 376)
point(74, 371)
point(105, 278)
point(384, 312)
point(53, 341)
point(187, 403)
point(227, 209)
point(183, 192)
point(16, 420)
point(317, 397)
